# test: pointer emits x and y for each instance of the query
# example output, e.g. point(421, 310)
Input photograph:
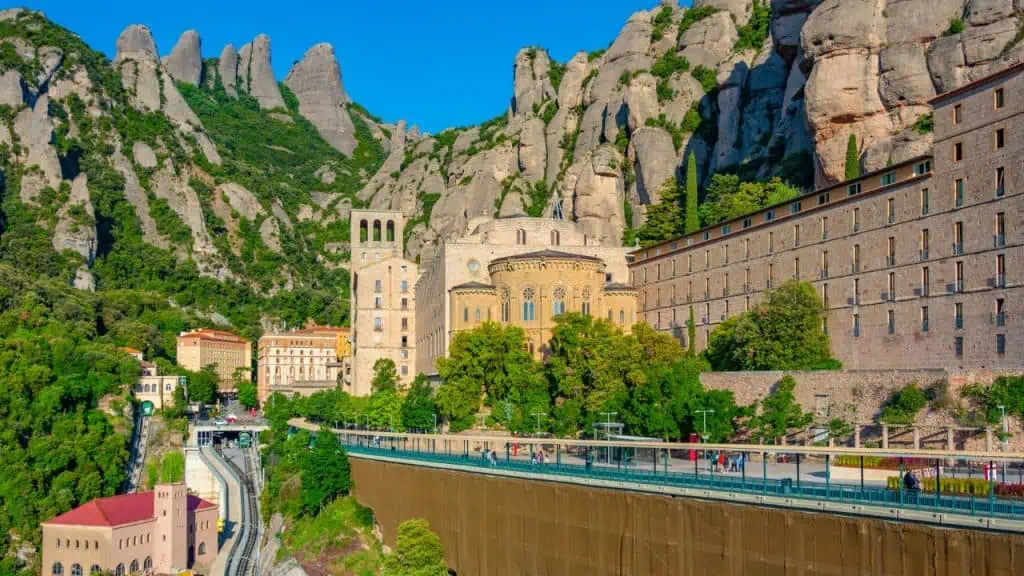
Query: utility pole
point(607, 434)
point(705, 413)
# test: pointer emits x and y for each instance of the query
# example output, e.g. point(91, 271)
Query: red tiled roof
point(119, 510)
point(212, 334)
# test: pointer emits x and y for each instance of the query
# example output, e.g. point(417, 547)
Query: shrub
point(670, 64)
point(661, 22)
point(751, 36)
point(956, 26)
point(903, 405)
point(694, 15)
point(925, 123)
point(707, 77)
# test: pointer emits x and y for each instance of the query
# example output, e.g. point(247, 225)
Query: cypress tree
point(691, 334)
point(852, 158)
point(692, 224)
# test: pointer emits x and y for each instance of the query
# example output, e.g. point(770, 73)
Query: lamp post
point(607, 434)
point(704, 436)
point(435, 422)
point(538, 416)
point(1005, 440)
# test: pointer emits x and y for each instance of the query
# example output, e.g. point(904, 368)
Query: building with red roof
point(227, 352)
point(161, 531)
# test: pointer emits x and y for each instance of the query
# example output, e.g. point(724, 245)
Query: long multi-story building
point(918, 264)
point(302, 361)
point(466, 261)
point(226, 351)
point(383, 301)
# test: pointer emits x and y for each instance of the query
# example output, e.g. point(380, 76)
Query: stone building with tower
point(460, 277)
point(918, 264)
point(383, 299)
point(163, 531)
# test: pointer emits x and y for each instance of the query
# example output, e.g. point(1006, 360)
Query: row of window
point(380, 232)
point(378, 324)
point(998, 101)
point(378, 286)
point(998, 143)
point(924, 245)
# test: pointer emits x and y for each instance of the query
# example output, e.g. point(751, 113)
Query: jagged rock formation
point(227, 69)
point(185, 62)
point(259, 74)
point(316, 82)
point(76, 222)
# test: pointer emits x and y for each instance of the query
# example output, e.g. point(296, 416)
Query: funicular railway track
point(242, 560)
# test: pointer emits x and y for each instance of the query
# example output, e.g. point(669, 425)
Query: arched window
point(555, 238)
point(609, 315)
point(520, 236)
point(95, 569)
point(465, 314)
point(147, 564)
point(58, 569)
point(622, 316)
point(558, 302)
point(119, 571)
point(376, 231)
point(506, 305)
point(76, 569)
point(202, 548)
point(390, 231)
point(134, 567)
point(364, 233)
point(529, 306)
point(586, 302)
point(478, 314)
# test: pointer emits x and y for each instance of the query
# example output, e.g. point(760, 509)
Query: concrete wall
point(200, 479)
point(497, 526)
point(858, 396)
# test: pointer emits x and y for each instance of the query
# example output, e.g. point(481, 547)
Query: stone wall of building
point(858, 396)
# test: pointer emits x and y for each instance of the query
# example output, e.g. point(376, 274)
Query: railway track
point(243, 555)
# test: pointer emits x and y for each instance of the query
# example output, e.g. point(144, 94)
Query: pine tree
point(692, 223)
point(852, 158)
point(664, 219)
point(691, 335)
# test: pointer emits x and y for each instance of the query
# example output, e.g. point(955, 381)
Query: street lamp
point(538, 416)
point(607, 434)
point(705, 413)
point(1005, 440)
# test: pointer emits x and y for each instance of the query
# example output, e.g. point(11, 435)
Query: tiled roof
point(473, 286)
point(547, 254)
point(119, 510)
point(210, 334)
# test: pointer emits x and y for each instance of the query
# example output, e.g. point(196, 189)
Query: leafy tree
point(852, 158)
point(418, 553)
point(751, 36)
point(247, 394)
point(779, 413)
point(325, 472)
point(692, 216)
point(419, 412)
point(903, 405)
point(691, 335)
point(728, 198)
point(664, 219)
point(782, 333)
point(385, 375)
point(384, 410)
point(202, 385)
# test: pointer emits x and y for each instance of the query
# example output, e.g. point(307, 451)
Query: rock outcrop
point(76, 222)
point(244, 59)
point(185, 62)
point(34, 129)
point(12, 89)
point(316, 82)
point(227, 69)
point(262, 84)
point(140, 67)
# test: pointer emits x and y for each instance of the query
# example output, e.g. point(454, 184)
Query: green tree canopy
point(325, 472)
point(852, 158)
point(384, 410)
point(419, 409)
point(385, 375)
point(728, 198)
point(782, 333)
point(247, 394)
point(779, 413)
point(665, 218)
point(418, 553)
point(692, 213)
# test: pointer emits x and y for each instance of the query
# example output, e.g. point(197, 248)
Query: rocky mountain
point(229, 171)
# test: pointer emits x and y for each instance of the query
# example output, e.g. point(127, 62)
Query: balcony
point(958, 200)
point(855, 301)
point(958, 248)
point(999, 319)
point(999, 241)
point(824, 235)
point(924, 325)
point(924, 254)
point(769, 284)
point(689, 298)
point(1000, 191)
point(856, 331)
point(890, 260)
point(725, 291)
point(707, 295)
point(824, 274)
point(746, 288)
point(856, 227)
point(378, 327)
point(958, 322)
point(999, 281)
point(855, 268)
point(705, 320)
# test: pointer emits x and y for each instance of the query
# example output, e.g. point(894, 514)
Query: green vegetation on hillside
point(694, 15)
point(751, 36)
point(727, 197)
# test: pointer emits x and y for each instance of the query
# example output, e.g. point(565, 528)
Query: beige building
point(530, 290)
point(226, 351)
point(163, 531)
point(155, 389)
point(383, 301)
point(918, 264)
point(302, 361)
point(466, 261)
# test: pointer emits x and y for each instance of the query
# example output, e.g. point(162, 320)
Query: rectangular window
point(405, 323)
point(924, 318)
point(824, 264)
point(856, 291)
point(957, 114)
point(796, 268)
point(891, 258)
point(377, 286)
point(1000, 344)
point(769, 216)
point(707, 313)
point(856, 219)
point(892, 287)
point(378, 302)
point(999, 101)
point(924, 202)
point(794, 207)
point(1000, 182)
point(958, 192)
point(958, 269)
point(824, 227)
point(707, 259)
point(707, 288)
point(1000, 237)
point(657, 272)
point(405, 370)
point(746, 280)
point(856, 258)
point(922, 168)
point(771, 275)
point(725, 254)
point(856, 325)
point(888, 178)
point(725, 286)
point(747, 223)
point(958, 346)
point(853, 189)
point(707, 235)
point(925, 280)
point(689, 263)
point(771, 242)
point(958, 315)
point(958, 152)
point(823, 199)
point(1000, 271)
point(673, 267)
point(746, 248)
point(891, 319)
point(958, 238)
point(796, 235)
point(1000, 138)
point(726, 230)
point(924, 244)
point(890, 209)
point(746, 304)
point(405, 341)
point(824, 295)
point(378, 324)
point(1000, 315)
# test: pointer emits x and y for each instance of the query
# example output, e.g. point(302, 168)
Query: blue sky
point(437, 64)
